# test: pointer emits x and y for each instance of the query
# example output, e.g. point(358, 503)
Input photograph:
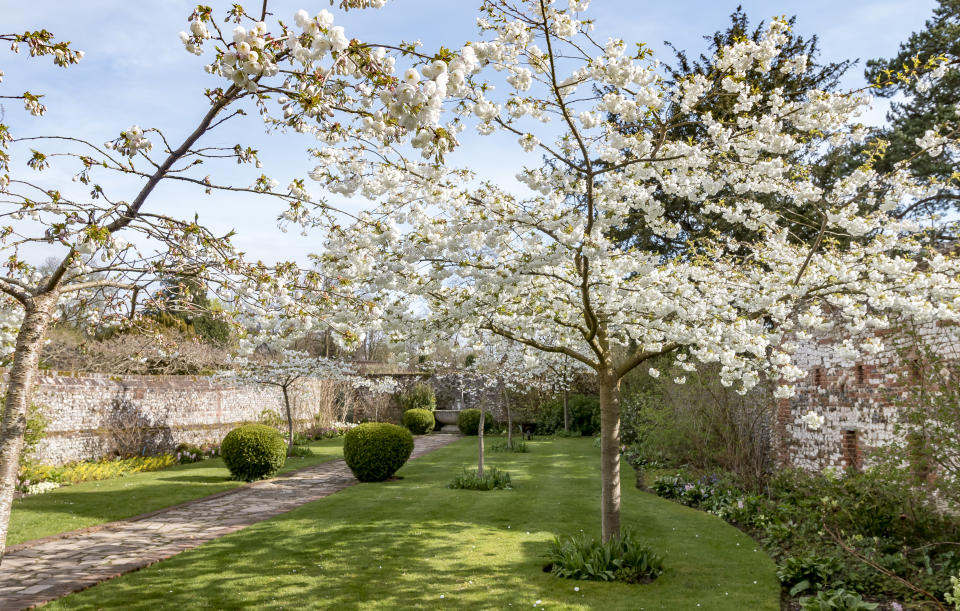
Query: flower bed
point(37, 479)
point(870, 532)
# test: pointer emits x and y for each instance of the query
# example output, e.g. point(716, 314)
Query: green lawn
point(90, 503)
point(414, 544)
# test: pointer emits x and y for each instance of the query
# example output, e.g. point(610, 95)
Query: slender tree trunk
point(19, 389)
point(286, 403)
point(566, 412)
point(483, 415)
point(506, 404)
point(609, 454)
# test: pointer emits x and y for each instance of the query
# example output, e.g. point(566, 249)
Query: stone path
point(37, 572)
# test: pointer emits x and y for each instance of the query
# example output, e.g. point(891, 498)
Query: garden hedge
point(374, 451)
point(253, 451)
point(418, 421)
point(468, 421)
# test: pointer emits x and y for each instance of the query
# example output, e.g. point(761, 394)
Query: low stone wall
point(94, 415)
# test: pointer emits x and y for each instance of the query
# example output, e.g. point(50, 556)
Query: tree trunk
point(19, 390)
point(506, 405)
point(286, 403)
point(483, 415)
point(609, 454)
point(566, 412)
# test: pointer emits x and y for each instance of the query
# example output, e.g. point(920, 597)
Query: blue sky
point(136, 71)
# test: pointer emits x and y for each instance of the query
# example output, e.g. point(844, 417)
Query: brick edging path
point(40, 571)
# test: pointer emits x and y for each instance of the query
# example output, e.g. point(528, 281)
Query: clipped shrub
point(619, 559)
point(493, 479)
point(420, 396)
point(584, 415)
point(374, 451)
point(468, 421)
point(418, 421)
point(253, 451)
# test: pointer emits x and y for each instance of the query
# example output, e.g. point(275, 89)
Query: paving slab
point(37, 572)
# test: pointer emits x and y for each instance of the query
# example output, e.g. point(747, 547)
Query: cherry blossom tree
point(558, 376)
point(517, 367)
point(288, 368)
point(445, 251)
point(113, 249)
point(475, 385)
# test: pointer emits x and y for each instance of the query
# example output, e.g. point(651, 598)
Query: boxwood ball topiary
point(468, 421)
point(253, 451)
point(418, 421)
point(374, 451)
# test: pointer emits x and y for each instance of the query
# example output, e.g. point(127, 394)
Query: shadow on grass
point(207, 479)
point(388, 568)
point(110, 504)
point(91, 503)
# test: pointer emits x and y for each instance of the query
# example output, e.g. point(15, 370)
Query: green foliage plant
point(518, 446)
point(952, 596)
point(584, 416)
point(492, 479)
point(929, 414)
point(253, 451)
point(418, 421)
point(701, 423)
point(836, 600)
point(186, 453)
point(300, 451)
point(420, 396)
point(468, 421)
point(300, 439)
point(804, 573)
point(621, 558)
point(374, 451)
point(820, 525)
point(272, 418)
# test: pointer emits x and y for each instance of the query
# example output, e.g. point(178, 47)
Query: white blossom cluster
point(538, 266)
point(812, 420)
point(11, 317)
point(289, 366)
point(130, 142)
point(326, 77)
point(41, 487)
